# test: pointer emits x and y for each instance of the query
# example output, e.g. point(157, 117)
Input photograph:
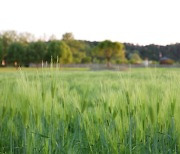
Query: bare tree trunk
point(108, 62)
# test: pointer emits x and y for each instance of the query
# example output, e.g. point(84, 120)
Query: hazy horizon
point(138, 21)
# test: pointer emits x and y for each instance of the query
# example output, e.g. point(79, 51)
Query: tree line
point(24, 49)
point(154, 52)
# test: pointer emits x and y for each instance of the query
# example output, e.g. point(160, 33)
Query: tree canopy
point(60, 50)
point(36, 52)
point(68, 37)
point(135, 58)
point(16, 53)
point(109, 50)
point(25, 49)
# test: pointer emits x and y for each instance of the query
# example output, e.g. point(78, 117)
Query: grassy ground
point(80, 111)
point(13, 69)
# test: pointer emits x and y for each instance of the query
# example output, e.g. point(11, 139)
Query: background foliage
point(25, 49)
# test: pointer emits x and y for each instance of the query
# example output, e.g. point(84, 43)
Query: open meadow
point(82, 111)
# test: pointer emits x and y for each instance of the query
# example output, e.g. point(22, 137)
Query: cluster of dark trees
point(154, 52)
point(24, 49)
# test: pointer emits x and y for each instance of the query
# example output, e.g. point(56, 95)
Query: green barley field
point(51, 111)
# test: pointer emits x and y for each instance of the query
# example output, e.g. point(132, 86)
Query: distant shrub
point(135, 58)
point(96, 61)
point(154, 62)
point(86, 60)
point(122, 61)
point(167, 61)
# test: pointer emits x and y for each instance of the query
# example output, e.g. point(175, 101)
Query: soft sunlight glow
point(134, 21)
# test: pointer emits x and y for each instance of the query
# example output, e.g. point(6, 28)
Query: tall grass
point(90, 112)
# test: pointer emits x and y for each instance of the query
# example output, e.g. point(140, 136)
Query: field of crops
point(52, 111)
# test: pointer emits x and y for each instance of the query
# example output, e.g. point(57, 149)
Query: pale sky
point(133, 21)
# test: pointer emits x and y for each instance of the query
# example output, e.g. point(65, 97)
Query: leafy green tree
point(16, 53)
point(109, 50)
point(78, 50)
point(135, 58)
point(25, 38)
point(7, 38)
point(61, 50)
point(36, 52)
point(68, 37)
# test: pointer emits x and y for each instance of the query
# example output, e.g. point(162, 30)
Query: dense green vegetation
point(24, 49)
point(153, 51)
point(52, 111)
point(109, 50)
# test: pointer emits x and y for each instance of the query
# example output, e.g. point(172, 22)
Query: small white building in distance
point(146, 62)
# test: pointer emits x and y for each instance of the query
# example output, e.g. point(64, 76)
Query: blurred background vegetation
point(23, 49)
